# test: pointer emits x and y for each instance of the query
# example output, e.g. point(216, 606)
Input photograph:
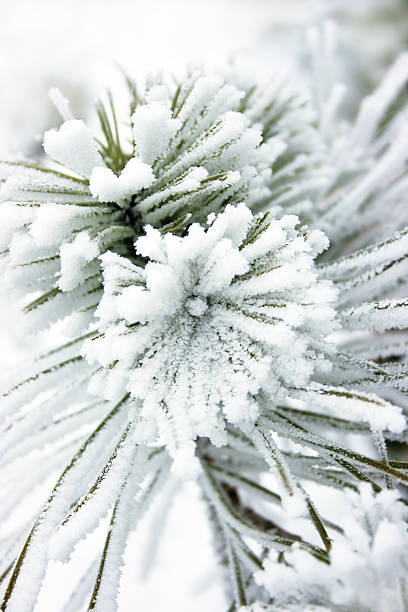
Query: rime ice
point(191, 152)
point(226, 339)
point(213, 320)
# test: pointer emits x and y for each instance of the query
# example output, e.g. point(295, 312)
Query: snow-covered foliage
point(194, 147)
point(369, 162)
point(217, 335)
point(368, 561)
point(215, 319)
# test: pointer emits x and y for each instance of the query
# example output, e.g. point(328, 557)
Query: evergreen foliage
point(231, 267)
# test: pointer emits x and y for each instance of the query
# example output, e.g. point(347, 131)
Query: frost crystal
point(214, 320)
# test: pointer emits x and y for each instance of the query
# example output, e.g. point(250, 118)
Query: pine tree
point(230, 266)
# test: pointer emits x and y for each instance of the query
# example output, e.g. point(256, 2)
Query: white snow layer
point(107, 187)
point(73, 146)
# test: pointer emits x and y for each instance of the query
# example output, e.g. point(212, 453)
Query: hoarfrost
point(191, 338)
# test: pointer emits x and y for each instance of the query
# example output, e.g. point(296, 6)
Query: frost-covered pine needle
point(185, 149)
point(368, 561)
point(232, 269)
point(212, 322)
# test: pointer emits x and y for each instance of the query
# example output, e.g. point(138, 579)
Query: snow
point(192, 179)
point(368, 565)
point(74, 258)
point(74, 146)
point(193, 310)
point(52, 224)
point(153, 129)
point(61, 103)
point(359, 406)
point(374, 106)
point(108, 187)
point(256, 316)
